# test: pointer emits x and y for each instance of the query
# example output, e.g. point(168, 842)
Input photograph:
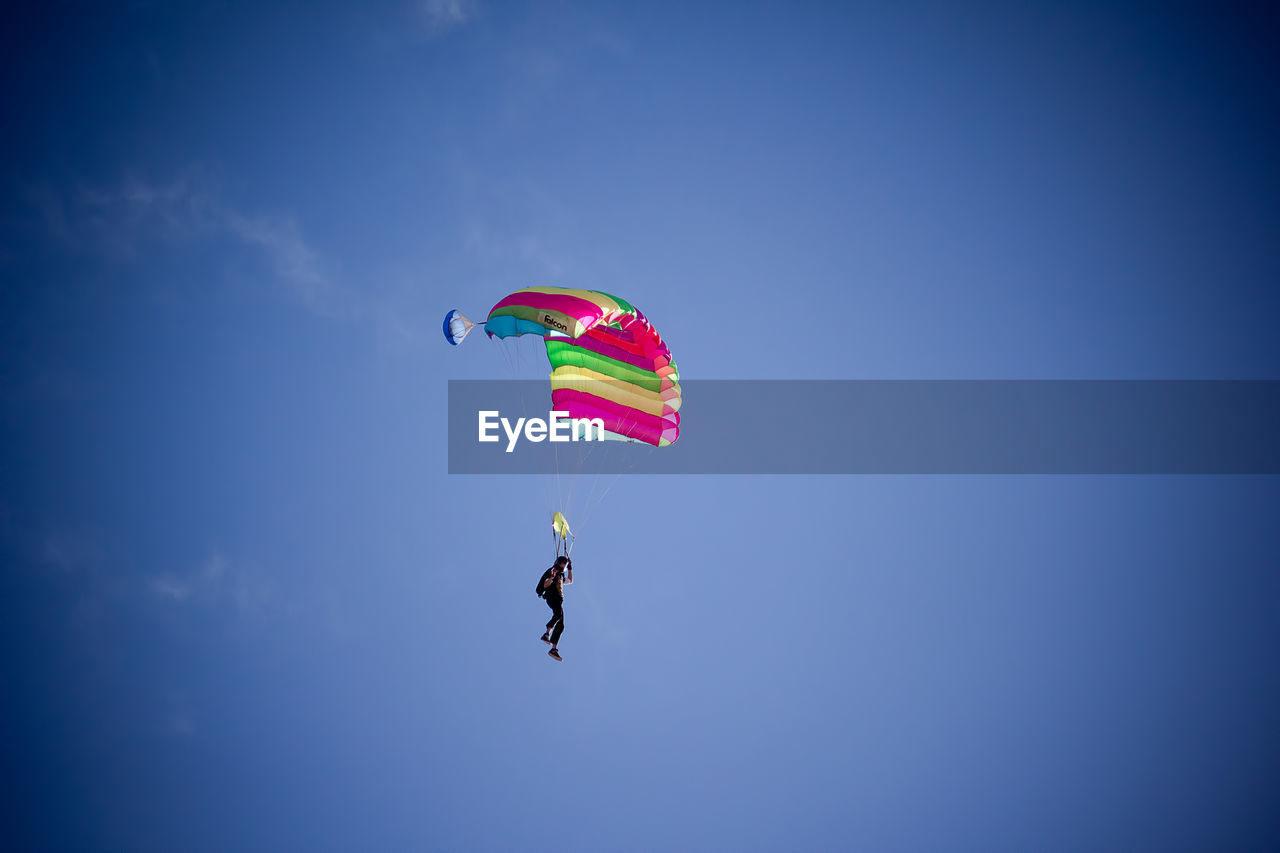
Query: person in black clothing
point(552, 586)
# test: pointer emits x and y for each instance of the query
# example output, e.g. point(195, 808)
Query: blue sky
point(245, 606)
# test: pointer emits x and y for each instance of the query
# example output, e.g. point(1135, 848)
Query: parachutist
point(551, 588)
point(612, 378)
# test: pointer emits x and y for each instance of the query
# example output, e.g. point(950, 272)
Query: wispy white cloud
point(442, 15)
point(292, 258)
point(214, 582)
point(122, 222)
point(67, 554)
point(528, 251)
point(106, 222)
point(204, 582)
point(98, 587)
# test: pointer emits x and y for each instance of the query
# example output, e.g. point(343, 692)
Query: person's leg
point(559, 626)
point(559, 629)
point(556, 613)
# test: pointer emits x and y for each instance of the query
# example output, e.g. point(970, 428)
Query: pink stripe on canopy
point(594, 343)
point(584, 311)
point(620, 419)
point(634, 336)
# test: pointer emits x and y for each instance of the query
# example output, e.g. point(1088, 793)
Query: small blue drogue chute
point(456, 327)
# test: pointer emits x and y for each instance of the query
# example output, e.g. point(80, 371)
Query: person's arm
point(569, 579)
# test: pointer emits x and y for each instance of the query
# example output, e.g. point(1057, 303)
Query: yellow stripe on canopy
point(609, 306)
point(613, 389)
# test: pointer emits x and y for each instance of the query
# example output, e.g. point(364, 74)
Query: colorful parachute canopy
point(456, 327)
point(560, 526)
point(607, 361)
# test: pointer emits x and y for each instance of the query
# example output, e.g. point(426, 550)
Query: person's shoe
point(546, 638)
point(555, 654)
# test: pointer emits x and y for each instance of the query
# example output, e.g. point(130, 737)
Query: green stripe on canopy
point(561, 353)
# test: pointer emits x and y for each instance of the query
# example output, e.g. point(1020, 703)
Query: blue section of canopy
point(506, 326)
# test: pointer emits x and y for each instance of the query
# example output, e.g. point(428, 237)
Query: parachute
point(608, 361)
point(609, 366)
point(564, 536)
point(456, 326)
